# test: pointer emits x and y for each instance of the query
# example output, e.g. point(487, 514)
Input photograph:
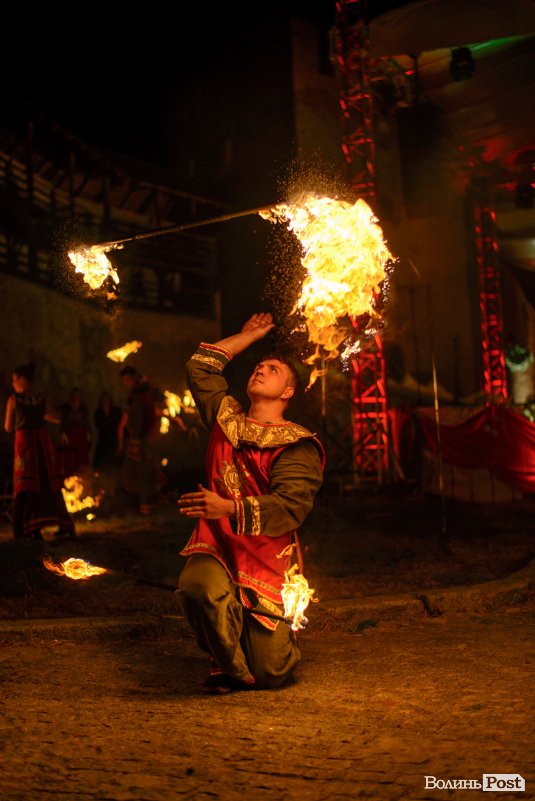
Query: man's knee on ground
point(266, 679)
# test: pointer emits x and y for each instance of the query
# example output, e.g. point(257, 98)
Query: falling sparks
point(73, 492)
point(296, 596)
point(77, 569)
point(345, 259)
point(120, 354)
point(94, 265)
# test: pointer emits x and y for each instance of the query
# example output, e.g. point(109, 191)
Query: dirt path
point(370, 716)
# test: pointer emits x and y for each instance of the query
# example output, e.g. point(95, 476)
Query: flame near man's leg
point(296, 596)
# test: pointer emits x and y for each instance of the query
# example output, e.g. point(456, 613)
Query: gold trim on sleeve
point(209, 360)
point(254, 509)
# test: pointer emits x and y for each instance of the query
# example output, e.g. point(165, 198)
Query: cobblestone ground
point(370, 716)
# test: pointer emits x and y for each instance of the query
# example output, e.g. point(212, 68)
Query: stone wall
point(68, 340)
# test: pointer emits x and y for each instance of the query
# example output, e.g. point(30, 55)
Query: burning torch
point(295, 601)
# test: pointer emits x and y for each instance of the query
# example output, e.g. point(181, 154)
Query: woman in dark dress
point(75, 435)
point(37, 481)
point(107, 418)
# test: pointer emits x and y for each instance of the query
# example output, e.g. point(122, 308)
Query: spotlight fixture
point(462, 65)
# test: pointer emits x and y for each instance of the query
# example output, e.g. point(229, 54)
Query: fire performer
point(140, 422)
point(37, 478)
point(263, 474)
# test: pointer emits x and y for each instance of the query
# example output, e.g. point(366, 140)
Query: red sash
point(251, 561)
point(26, 473)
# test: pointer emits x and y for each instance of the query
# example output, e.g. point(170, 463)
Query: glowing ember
point(345, 258)
point(296, 596)
point(164, 462)
point(187, 400)
point(120, 354)
point(76, 569)
point(174, 405)
point(73, 492)
point(94, 265)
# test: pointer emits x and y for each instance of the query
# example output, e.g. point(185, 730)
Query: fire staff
point(263, 473)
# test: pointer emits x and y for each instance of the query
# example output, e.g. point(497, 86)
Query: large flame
point(94, 265)
point(345, 258)
point(296, 596)
point(73, 492)
point(120, 354)
point(76, 569)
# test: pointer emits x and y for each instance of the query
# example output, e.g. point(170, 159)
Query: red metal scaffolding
point(490, 301)
point(369, 415)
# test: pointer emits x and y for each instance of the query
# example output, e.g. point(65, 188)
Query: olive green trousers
point(240, 645)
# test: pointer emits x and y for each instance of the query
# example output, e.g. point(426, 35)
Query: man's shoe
point(221, 684)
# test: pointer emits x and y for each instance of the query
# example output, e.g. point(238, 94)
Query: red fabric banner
point(497, 438)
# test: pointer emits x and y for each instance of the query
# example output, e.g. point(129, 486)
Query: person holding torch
point(263, 473)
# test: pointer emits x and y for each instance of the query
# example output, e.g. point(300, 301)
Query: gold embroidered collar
point(241, 430)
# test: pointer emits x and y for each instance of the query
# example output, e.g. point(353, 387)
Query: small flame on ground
point(345, 258)
point(76, 569)
point(94, 265)
point(90, 516)
point(73, 491)
point(296, 596)
point(120, 354)
point(164, 462)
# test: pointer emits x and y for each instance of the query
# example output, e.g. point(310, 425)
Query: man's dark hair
point(26, 371)
point(128, 370)
point(295, 381)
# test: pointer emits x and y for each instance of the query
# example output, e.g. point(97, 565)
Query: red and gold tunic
point(271, 471)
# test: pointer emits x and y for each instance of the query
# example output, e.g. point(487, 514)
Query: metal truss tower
point(490, 302)
point(369, 411)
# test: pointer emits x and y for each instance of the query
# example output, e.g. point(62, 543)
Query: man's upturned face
point(271, 379)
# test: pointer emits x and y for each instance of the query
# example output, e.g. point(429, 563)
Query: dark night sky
point(109, 80)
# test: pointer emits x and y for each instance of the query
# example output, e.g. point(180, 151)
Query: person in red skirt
point(37, 480)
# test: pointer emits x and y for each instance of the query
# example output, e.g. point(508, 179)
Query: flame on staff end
point(76, 569)
point(73, 491)
point(94, 265)
point(296, 596)
point(120, 354)
point(345, 258)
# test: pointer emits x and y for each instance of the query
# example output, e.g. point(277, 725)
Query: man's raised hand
point(258, 325)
